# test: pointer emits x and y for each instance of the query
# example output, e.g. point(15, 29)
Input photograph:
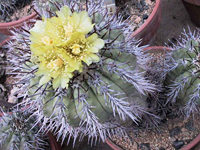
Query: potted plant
point(6, 6)
point(23, 122)
point(149, 28)
point(17, 131)
point(193, 9)
point(182, 82)
point(150, 23)
point(79, 72)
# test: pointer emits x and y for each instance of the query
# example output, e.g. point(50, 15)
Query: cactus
point(183, 81)
point(41, 6)
point(6, 6)
point(78, 71)
point(17, 132)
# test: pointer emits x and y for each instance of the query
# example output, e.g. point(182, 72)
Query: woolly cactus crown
point(78, 70)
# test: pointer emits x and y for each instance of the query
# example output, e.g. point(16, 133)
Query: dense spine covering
point(183, 80)
point(18, 131)
point(6, 6)
point(100, 91)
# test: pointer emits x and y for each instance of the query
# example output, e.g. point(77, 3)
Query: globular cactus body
point(183, 81)
point(16, 133)
point(80, 71)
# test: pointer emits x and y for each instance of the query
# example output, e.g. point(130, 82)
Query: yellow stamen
point(47, 40)
point(76, 49)
point(68, 30)
point(55, 64)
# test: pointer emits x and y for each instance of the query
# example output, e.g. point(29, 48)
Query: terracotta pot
point(193, 8)
point(193, 144)
point(4, 41)
point(53, 142)
point(154, 49)
point(6, 27)
point(149, 28)
point(112, 144)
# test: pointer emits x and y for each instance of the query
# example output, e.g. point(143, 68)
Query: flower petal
point(64, 82)
point(56, 82)
point(98, 43)
point(92, 38)
point(44, 80)
point(94, 57)
point(87, 60)
point(93, 50)
point(64, 12)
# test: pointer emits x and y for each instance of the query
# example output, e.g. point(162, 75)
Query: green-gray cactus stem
point(16, 132)
point(101, 95)
point(183, 82)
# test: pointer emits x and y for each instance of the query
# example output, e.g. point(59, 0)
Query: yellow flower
point(61, 46)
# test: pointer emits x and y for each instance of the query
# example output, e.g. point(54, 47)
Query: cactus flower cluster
point(61, 45)
point(79, 71)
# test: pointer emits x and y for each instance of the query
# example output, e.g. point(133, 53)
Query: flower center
point(68, 30)
point(76, 49)
point(47, 40)
point(55, 64)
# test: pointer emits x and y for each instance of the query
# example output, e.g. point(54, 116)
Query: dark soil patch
point(16, 11)
point(138, 10)
point(4, 88)
point(174, 134)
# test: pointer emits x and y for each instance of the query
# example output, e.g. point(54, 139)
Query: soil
point(172, 134)
point(172, 25)
point(5, 89)
point(21, 8)
point(138, 10)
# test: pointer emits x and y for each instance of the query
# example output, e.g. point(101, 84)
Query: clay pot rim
point(193, 2)
point(5, 41)
point(156, 49)
point(189, 146)
point(153, 13)
point(17, 22)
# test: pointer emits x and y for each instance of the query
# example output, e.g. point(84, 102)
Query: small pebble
point(144, 146)
point(145, 16)
point(139, 6)
point(142, 2)
point(178, 144)
point(175, 131)
point(146, 7)
point(190, 125)
point(137, 20)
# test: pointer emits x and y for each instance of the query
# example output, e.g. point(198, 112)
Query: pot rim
point(193, 2)
point(5, 25)
point(192, 144)
point(153, 13)
point(156, 48)
point(5, 41)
